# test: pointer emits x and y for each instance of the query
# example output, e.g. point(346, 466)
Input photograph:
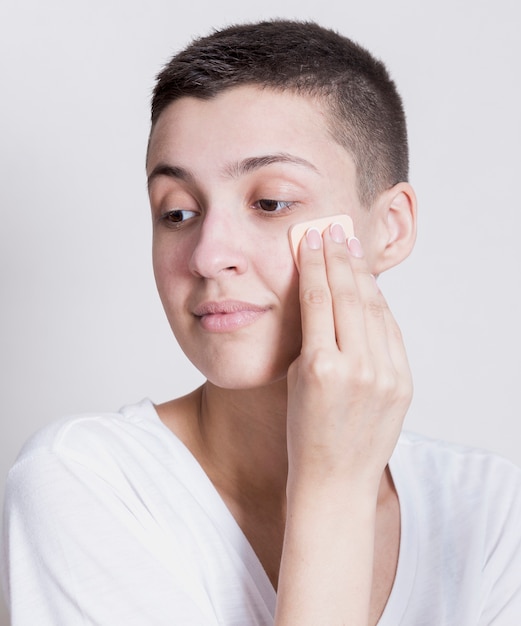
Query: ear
point(394, 213)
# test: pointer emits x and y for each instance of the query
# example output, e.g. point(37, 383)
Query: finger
point(384, 335)
point(389, 358)
point(396, 345)
point(347, 301)
point(318, 328)
point(363, 323)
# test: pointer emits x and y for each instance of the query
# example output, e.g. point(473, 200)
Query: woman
point(281, 491)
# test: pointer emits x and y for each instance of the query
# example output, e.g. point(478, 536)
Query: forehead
point(242, 122)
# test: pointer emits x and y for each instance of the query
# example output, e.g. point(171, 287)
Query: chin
point(243, 381)
point(238, 375)
point(242, 365)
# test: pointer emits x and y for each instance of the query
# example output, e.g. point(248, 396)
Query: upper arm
point(502, 565)
point(79, 549)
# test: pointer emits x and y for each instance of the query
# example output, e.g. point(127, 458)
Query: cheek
point(275, 260)
point(169, 263)
point(283, 278)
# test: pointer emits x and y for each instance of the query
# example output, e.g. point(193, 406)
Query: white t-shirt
point(110, 521)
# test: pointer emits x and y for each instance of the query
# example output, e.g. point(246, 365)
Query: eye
point(176, 217)
point(272, 206)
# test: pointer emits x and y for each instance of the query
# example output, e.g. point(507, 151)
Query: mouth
point(227, 316)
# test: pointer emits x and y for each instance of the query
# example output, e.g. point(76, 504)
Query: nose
point(219, 246)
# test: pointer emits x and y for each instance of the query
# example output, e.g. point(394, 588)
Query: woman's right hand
point(351, 386)
point(348, 393)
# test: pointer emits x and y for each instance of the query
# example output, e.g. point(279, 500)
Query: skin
point(307, 377)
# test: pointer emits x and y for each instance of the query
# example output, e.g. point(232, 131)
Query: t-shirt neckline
point(214, 506)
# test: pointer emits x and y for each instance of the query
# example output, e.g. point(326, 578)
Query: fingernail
point(337, 233)
point(355, 247)
point(314, 239)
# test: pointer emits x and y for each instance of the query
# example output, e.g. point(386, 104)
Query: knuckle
point(388, 384)
point(396, 333)
point(314, 296)
point(406, 389)
point(375, 308)
point(346, 296)
point(320, 370)
point(338, 255)
point(365, 377)
point(314, 261)
point(321, 366)
point(395, 389)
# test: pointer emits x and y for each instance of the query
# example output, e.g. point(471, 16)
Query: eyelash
point(285, 205)
point(168, 216)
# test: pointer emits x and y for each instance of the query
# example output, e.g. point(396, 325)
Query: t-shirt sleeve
point(501, 592)
point(75, 553)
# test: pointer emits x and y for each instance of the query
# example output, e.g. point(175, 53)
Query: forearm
point(348, 392)
point(327, 561)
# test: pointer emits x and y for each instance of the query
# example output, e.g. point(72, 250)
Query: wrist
point(338, 486)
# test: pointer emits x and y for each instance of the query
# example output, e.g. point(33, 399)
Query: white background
point(81, 327)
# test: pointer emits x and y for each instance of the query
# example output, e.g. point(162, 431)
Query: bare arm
point(348, 394)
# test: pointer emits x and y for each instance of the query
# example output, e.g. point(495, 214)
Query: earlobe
point(396, 213)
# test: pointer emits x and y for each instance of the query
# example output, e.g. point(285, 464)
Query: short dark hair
point(366, 111)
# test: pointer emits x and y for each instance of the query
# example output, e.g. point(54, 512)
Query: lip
point(228, 315)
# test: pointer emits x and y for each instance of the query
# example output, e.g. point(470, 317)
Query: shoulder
point(85, 466)
point(452, 481)
point(69, 432)
point(462, 508)
point(96, 442)
point(442, 460)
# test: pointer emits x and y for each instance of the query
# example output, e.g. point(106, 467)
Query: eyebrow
point(170, 171)
point(235, 170)
point(232, 170)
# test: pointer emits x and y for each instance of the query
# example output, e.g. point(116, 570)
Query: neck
point(238, 436)
point(239, 439)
